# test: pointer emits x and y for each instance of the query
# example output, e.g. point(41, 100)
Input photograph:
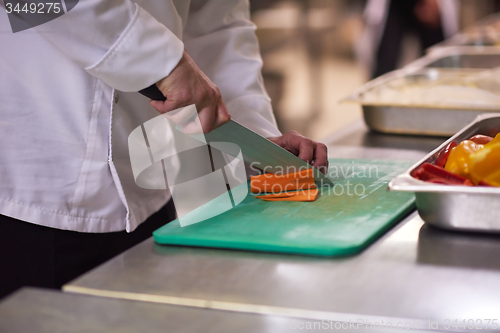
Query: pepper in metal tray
point(469, 208)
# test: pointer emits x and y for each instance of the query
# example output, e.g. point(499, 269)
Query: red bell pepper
point(481, 139)
point(484, 183)
point(443, 154)
point(436, 174)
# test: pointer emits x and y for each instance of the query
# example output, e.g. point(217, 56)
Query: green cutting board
point(343, 220)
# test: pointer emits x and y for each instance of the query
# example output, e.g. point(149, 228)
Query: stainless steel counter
point(357, 141)
point(43, 311)
point(412, 272)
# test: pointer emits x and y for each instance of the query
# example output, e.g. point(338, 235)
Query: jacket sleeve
point(221, 39)
point(118, 42)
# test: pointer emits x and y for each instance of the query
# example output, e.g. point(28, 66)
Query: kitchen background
point(310, 63)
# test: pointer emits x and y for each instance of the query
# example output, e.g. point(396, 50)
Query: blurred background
point(318, 51)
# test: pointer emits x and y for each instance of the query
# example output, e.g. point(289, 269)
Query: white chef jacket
point(68, 92)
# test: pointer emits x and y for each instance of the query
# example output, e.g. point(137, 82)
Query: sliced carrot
point(302, 180)
point(283, 194)
point(308, 195)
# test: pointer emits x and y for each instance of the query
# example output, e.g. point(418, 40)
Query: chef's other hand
point(187, 85)
point(315, 153)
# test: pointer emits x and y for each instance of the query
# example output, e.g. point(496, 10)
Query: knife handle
point(153, 93)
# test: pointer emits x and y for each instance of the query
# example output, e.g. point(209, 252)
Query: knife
point(256, 150)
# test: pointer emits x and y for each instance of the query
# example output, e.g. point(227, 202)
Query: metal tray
point(456, 207)
point(483, 33)
point(479, 41)
point(424, 119)
point(490, 22)
point(459, 57)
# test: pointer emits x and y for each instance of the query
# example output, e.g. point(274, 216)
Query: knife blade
point(256, 150)
point(259, 152)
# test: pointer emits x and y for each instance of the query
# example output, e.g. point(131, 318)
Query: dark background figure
point(419, 17)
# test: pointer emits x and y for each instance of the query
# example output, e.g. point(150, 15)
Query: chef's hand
point(315, 153)
point(187, 85)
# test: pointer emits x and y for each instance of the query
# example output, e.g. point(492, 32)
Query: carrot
point(302, 180)
point(307, 195)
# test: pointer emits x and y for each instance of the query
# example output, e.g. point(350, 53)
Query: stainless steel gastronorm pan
point(479, 41)
point(490, 22)
point(400, 118)
point(470, 208)
point(459, 57)
point(483, 33)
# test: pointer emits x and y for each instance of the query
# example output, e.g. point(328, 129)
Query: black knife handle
point(153, 93)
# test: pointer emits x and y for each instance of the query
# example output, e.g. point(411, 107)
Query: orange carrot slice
point(302, 180)
point(308, 195)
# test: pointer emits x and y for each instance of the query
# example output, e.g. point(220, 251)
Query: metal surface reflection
point(458, 249)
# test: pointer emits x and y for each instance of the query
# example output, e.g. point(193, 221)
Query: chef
point(69, 100)
point(388, 22)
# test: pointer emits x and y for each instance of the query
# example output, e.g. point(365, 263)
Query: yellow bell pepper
point(458, 160)
point(495, 140)
point(484, 165)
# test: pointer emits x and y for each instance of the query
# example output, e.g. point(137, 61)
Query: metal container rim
point(406, 183)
